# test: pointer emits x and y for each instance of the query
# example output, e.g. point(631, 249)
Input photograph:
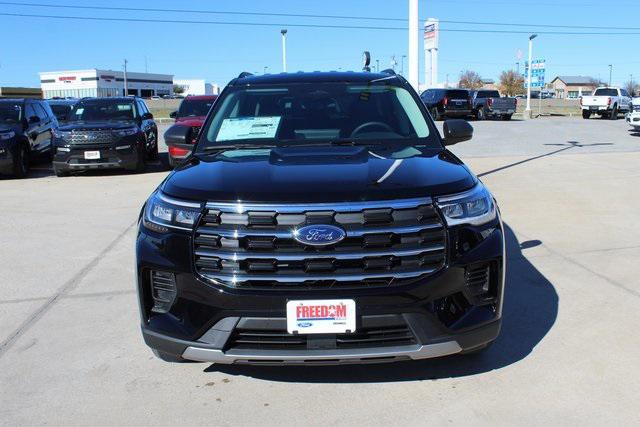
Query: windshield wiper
point(212, 148)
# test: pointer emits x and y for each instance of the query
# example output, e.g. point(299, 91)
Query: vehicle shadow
point(43, 169)
point(530, 311)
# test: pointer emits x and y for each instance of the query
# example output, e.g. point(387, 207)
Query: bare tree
point(632, 87)
point(178, 89)
point(511, 83)
point(470, 80)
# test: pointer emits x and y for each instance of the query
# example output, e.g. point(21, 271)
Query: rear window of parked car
point(458, 94)
point(606, 92)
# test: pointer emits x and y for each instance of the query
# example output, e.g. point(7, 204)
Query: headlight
point(125, 132)
point(7, 135)
point(162, 213)
point(474, 207)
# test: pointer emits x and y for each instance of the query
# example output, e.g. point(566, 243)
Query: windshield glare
point(10, 112)
point(306, 113)
point(195, 107)
point(102, 110)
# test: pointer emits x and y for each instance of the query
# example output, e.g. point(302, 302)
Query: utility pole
point(527, 113)
point(414, 48)
point(377, 65)
point(126, 87)
point(610, 73)
point(284, 49)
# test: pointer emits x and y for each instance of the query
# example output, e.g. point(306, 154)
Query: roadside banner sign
point(538, 71)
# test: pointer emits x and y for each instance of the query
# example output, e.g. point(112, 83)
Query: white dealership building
point(197, 87)
point(103, 83)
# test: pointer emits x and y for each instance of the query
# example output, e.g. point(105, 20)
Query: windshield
point(101, 110)
point(195, 107)
point(306, 113)
point(61, 111)
point(606, 92)
point(488, 94)
point(10, 112)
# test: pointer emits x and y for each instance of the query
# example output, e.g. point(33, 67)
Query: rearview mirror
point(173, 114)
point(456, 131)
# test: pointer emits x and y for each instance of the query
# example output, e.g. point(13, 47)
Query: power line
point(265, 24)
point(312, 16)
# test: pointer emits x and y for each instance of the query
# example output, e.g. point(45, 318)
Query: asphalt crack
point(67, 287)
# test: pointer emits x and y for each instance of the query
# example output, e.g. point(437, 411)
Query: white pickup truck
point(633, 118)
point(608, 102)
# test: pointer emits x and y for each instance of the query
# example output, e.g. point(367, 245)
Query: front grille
point(95, 137)
point(387, 243)
point(395, 333)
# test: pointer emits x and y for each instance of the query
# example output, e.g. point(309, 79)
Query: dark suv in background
point(443, 103)
point(192, 112)
point(62, 108)
point(320, 219)
point(26, 128)
point(106, 133)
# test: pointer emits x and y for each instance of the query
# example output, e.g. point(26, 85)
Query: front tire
point(586, 114)
point(170, 358)
point(21, 162)
point(480, 114)
point(141, 163)
point(434, 114)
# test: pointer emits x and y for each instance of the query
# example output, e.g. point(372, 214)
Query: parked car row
point(479, 104)
point(76, 135)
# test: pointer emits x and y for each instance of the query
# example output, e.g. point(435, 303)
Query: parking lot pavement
point(71, 350)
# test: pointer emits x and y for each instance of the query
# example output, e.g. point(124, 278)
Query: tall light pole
point(610, 73)
point(414, 52)
point(377, 65)
point(528, 109)
point(284, 49)
point(126, 86)
point(402, 64)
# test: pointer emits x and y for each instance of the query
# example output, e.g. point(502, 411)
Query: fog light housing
point(163, 291)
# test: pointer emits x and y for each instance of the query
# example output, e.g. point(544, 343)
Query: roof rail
point(245, 74)
point(388, 71)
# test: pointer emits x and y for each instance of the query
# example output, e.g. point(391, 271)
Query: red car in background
point(192, 112)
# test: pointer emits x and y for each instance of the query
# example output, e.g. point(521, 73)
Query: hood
point(190, 121)
point(319, 174)
point(96, 125)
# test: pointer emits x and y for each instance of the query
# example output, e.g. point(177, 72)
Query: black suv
point(26, 126)
point(62, 108)
point(320, 219)
point(106, 133)
point(443, 103)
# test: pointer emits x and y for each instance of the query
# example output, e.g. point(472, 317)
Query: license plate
point(91, 155)
point(321, 316)
point(594, 108)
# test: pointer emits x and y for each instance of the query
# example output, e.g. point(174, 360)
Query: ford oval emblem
point(319, 235)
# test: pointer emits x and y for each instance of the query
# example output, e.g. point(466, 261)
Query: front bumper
point(121, 154)
point(6, 159)
point(633, 119)
point(205, 319)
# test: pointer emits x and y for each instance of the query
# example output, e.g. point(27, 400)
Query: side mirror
point(147, 116)
point(173, 114)
point(179, 136)
point(456, 131)
point(34, 119)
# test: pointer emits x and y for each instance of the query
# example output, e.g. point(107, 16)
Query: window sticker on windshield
point(248, 128)
point(125, 107)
